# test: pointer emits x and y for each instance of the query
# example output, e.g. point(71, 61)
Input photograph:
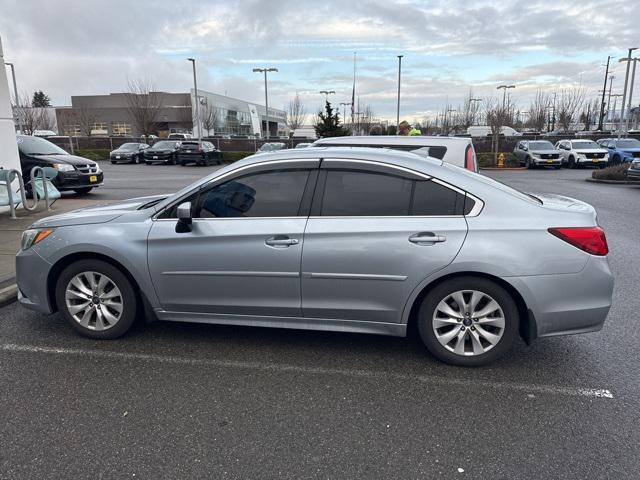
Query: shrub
point(616, 172)
point(485, 159)
point(95, 154)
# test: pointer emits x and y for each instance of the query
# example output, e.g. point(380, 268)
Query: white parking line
point(277, 367)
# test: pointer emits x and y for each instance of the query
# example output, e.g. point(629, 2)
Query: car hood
point(544, 152)
point(71, 159)
point(96, 214)
point(164, 150)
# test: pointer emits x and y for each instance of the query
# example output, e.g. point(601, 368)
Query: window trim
point(326, 164)
point(242, 171)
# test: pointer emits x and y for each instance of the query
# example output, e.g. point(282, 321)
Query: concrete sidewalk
point(11, 233)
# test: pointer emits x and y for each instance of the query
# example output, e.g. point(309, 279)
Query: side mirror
point(184, 218)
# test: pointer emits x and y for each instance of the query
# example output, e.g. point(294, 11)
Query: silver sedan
point(344, 239)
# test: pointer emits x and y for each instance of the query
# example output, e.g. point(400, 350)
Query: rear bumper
point(569, 303)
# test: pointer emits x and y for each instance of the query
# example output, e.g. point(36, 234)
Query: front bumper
point(32, 272)
point(547, 161)
point(71, 180)
point(568, 303)
point(633, 173)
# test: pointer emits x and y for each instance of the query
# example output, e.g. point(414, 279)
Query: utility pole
point(398, 107)
point(606, 74)
point(624, 92)
point(633, 79)
point(197, 100)
point(15, 85)
point(266, 97)
point(553, 118)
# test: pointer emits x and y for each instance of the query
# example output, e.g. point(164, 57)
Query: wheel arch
point(526, 320)
point(64, 262)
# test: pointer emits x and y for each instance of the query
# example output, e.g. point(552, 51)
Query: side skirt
point(301, 323)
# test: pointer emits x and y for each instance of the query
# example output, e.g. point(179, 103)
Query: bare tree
point(469, 111)
point(67, 121)
point(588, 114)
point(296, 113)
point(144, 105)
point(31, 118)
point(367, 118)
point(538, 111)
point(498, 114)
point(210, 117)
point(569, 104)
point(86, 119)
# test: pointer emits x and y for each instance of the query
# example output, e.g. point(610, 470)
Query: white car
point(457, 151)
point(578, 153)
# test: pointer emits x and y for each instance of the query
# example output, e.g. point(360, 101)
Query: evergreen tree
point(40, 99)
point(329, 123)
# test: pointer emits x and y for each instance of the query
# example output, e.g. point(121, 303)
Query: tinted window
point(355, 193)
point(276, 193)
point(431, 198)
point(38, 146)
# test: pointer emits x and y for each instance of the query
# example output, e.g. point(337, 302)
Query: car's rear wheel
point(468, 321)
point(572, 162)
point(83, 191)
point(96, 298)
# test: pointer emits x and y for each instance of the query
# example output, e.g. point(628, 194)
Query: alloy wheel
point(468, 322)
point(94, 300)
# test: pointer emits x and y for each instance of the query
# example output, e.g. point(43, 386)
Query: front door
point(243, 253)
point(372, 237)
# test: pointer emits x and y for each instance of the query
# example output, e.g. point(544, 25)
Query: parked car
point(74, 173)
point(485, 130)
point(303, 145)
point(457, 151)
point(621, 149)
point(345, 239)
point(200, 153)
point(634, 170)
point(578, 153)
point(537, 153)
point(129, 153)
point(180, 136)
point(44, 133)
point(164, 151)
point(271, 147)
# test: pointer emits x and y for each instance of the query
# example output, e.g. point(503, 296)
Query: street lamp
point(265, 70)
point(604, 91)
point(398, 108)
point(473, 101)
point(633, 79)
point(326, 94)
point(624, 92)
point(197, 100)
point(344, 110)
point(504, 93)
point(15, 86)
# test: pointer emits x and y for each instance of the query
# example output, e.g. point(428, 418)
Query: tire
point(183, 163)
point(83, 191)
point(616, 159)
point(108, 327)
point(171, 161)
point(113, 162)
point(572, 162)
point(148, 163)
point(503, 332)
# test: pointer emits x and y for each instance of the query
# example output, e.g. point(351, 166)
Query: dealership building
point(118, 114)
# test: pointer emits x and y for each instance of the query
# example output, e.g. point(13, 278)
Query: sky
point(67, 48)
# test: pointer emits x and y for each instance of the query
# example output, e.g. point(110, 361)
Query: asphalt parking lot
point(174, 400)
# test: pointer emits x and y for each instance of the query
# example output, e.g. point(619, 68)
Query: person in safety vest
point(415, 131)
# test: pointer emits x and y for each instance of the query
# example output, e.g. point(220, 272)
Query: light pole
point(604, 90)
point(15, 85)
point(624, 92)
point(197, 100)
point(633, 79)
point(344, 110)
point(504, 92)
point(398, 108)
point(265, 70)
point(472, 109)
point(326, 94)
point(611, 77)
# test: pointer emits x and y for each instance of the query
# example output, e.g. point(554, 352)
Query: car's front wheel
point(96, 298)
point(468, 321)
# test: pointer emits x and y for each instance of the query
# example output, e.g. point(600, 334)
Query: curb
point(8, 295)
point(613, 182)
point(516, 169)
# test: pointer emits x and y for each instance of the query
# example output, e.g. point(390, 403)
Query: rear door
point(375, 232)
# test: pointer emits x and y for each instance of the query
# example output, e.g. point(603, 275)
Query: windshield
point(165, 145)
point(628, 143)
point(586, 144)
point(128, 146)
point(541, 145)
point(38, 146)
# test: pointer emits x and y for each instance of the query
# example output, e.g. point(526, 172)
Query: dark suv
point(74, 173)
point(200, 153)
point(164, 151)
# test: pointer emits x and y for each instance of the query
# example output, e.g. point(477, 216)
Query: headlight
point(63, 167)
point(34, 235)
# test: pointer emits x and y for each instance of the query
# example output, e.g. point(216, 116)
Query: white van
point(485, 130)
point(457, 151)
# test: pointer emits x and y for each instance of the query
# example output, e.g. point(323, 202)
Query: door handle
point(427, 238)
point(280, 241)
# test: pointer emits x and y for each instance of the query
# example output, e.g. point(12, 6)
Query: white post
point(9, 156)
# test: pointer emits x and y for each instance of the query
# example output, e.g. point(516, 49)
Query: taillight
point(590, 239)
point(469, 164)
